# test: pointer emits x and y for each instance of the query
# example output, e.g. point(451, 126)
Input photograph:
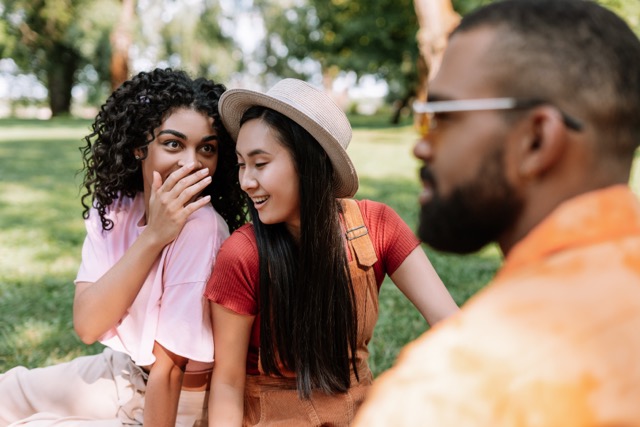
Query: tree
point(363, 36)
point(121, 39)
point(65, 42)
point(193, 39)
point(437, 19)
point(49, 39)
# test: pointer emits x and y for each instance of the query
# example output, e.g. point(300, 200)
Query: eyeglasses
point(424, 112)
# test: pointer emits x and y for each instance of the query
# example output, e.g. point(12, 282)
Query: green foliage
point(42, 36)
point(465, 6)
point(366, 37)
point(194, 36)
point(53, 39)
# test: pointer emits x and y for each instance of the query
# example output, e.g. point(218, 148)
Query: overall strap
point(357, 234)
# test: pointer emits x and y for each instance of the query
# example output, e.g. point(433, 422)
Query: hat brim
point(235, 102)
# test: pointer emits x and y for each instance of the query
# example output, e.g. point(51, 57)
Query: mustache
point(427, 176)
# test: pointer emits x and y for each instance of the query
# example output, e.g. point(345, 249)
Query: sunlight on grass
point(18, 194)
point(30, 334)
point(384, 153)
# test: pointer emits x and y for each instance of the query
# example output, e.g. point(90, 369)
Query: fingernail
point(204, 171)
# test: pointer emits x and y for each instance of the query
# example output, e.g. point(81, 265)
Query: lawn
point(41, 234)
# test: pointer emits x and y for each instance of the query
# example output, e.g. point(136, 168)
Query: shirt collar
point(586, 219)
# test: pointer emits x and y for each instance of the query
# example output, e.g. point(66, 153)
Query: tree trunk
point(436, 19)
point(61, 73)
point(120, 44)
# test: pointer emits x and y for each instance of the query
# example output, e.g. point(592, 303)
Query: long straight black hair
point(308, 321)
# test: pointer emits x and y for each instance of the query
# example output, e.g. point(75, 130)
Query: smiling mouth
point(259, 200)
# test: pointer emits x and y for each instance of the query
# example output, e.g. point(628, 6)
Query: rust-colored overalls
point(274, 401)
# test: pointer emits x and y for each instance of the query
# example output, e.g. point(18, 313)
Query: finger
point(197, 204)
point(195, 189)
point(177, 175)
point(188, 181)
point(200, 177)
point(157, 182)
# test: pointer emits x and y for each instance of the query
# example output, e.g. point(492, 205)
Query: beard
point(474, 214)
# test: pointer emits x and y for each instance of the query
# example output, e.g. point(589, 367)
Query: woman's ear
point(139, 153)
point(543, 142)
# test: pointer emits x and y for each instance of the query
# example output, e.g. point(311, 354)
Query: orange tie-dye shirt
point(554, 340)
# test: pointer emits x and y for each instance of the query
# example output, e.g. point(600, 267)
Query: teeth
point(260, 200)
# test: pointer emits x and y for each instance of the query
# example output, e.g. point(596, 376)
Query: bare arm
point(100, 305)
point(163, 388)
point(418, 280)
point(231, 332)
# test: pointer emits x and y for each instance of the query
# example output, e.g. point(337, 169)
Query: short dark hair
point(574, 53)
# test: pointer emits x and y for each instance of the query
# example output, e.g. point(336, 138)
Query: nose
point(247, 181)
point(190, 156)
point(423, 149)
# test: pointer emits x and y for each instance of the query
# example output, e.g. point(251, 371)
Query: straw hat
point(311, 109)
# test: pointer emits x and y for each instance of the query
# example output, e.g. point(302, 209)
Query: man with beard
point(527, 140)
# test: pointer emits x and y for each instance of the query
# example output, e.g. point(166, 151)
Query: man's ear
point(543, 141)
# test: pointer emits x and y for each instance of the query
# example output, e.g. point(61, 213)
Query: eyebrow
point(183, 136)
point(253, 153)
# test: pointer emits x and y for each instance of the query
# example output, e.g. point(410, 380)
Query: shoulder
point(206, 220)
point(376, 214)
point(373, 211)
point(239, 248)
point(119, 211)
point(241, 240)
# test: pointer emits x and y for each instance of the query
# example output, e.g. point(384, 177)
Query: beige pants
point(102, 390)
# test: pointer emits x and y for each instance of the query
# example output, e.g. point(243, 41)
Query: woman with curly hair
point(160, 196)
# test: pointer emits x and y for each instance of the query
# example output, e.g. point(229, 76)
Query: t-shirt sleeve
point(184, 321)
point(392, 238)
point(234, 281)
point(95, 254)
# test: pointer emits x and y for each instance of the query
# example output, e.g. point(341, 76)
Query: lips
point(428, 184)
point(257, 201)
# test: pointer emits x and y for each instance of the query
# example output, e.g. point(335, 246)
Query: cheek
point(211, 164)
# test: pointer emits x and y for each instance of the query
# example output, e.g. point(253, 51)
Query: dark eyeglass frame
point(425, 111)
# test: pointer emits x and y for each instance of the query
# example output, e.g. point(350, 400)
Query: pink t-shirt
point(169, 308)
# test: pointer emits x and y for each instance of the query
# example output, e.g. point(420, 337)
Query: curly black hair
point(128, 120)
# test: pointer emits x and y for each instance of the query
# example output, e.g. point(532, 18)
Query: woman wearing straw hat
point(294, 295)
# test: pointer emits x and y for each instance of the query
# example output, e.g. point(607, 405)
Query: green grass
point(41, 235)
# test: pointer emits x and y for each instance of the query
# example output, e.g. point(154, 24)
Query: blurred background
point(60, 59)
point(64, 57)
